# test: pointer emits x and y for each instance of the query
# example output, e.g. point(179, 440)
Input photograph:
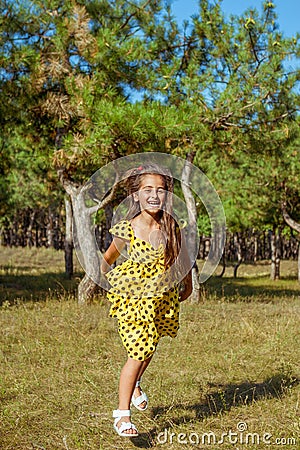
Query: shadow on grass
point(35, 287)
point(222, 398)
point(14, 286)
point(244, 289)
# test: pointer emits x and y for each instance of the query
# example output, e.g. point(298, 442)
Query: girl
point(145, 292)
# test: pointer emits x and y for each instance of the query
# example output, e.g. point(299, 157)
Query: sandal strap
point(142, 398)
point(138, 383)
point(126, 426)
point(121, 413)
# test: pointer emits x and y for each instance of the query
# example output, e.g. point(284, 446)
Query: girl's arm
point(187, 281)
point(111, 254)
point(188, 287)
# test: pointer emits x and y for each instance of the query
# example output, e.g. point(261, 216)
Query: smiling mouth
point(154, 203)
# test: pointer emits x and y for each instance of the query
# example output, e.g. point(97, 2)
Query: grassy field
point(230, 380)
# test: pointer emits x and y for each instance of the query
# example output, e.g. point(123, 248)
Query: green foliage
point(83, 83)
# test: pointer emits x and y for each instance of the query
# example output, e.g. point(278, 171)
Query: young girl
point(145, 292)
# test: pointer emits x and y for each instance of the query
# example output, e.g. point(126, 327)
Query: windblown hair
point(168, 224)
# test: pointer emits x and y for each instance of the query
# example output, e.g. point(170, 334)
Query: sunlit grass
point(34, 274)
point(235, 360)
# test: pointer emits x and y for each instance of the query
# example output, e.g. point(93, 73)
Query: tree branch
point(70, 187)
point(106, 200)
point(291, 222)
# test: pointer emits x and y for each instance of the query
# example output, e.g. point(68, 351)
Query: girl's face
point(151, 193)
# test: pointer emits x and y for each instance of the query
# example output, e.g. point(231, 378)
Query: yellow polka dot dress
point(145, 307)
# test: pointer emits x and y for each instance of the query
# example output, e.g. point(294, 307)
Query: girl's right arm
point(111, 254)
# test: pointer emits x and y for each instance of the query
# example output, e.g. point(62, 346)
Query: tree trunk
point(275, 255)
point(84, 237)
point(255, 250)
point(238, 249)
point(50, 234)
point(295, 226)
point(299, 262)
point(291, 222)
point(83, 233)
point(87, 290)
point(192, 227)
point(223, 265)
point(29, 233)
point(68, 239)
point(108, 220)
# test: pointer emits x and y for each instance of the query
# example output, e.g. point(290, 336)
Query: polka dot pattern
point(146, 308)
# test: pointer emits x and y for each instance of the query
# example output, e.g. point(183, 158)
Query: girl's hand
point(187, 287)
point(182, 297)
point(104, 268)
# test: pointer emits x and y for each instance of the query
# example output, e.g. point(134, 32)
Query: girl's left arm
point(188, 287)
point(111, 254)
point(187, 281)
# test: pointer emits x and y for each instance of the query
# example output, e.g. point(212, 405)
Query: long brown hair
point(168, 224)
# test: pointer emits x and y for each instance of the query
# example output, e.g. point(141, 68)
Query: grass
point(34, 274)
point(234, 364)
point(254, 284)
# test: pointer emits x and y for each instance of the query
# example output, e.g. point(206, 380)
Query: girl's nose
point(154, 193)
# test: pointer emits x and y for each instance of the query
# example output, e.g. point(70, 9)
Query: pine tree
point(88, 82)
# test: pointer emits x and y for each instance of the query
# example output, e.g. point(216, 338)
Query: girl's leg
point(137, 390)
point(128, 378)
point(144, 367)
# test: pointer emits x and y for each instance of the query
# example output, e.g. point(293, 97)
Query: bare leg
point(128, 378)
point(144, 367)
point(137, 390)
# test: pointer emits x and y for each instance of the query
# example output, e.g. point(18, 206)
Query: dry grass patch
point(34, 274)
point(233, 363)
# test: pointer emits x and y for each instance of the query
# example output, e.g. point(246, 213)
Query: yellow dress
point(145, 307)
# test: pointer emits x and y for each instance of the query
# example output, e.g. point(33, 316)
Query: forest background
point(84, 83)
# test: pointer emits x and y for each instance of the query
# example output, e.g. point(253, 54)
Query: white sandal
point(140, 399)
point(117, 415)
